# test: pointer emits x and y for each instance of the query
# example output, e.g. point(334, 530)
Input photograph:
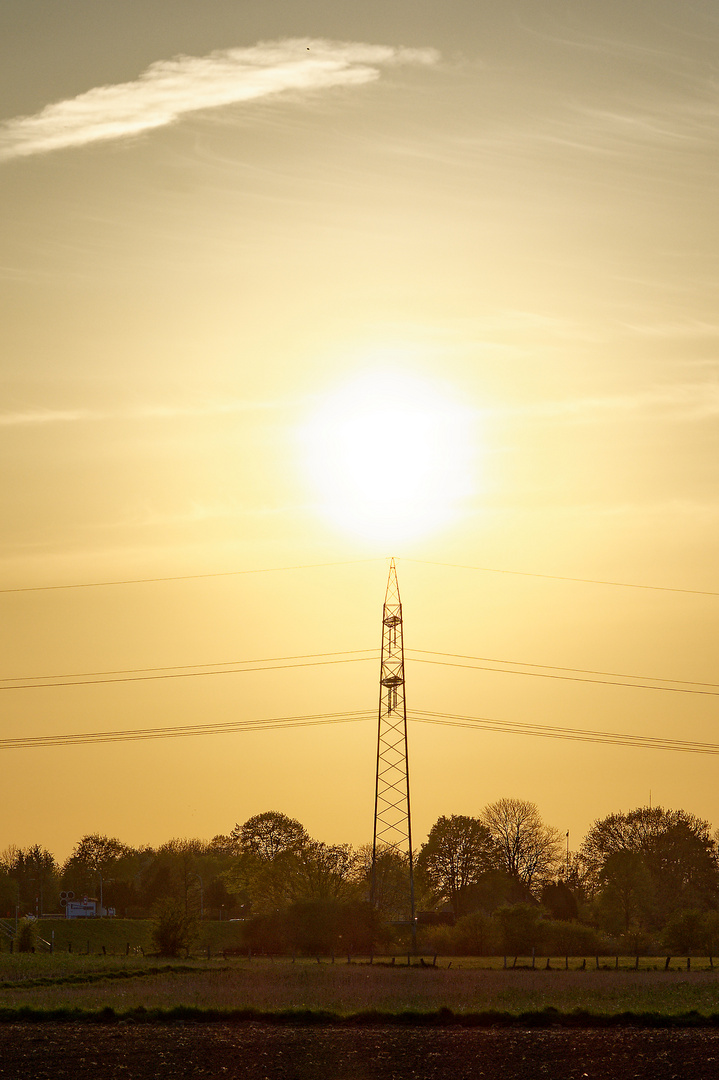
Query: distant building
point(81, 909)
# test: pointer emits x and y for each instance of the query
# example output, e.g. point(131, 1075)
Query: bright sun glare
point(390, 456)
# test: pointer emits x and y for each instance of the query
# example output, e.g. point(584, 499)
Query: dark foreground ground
point(147, 1052)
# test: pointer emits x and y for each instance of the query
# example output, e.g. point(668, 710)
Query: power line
point(545, 731)
point(182, 731)
point(567, 678)
point(177, 667)
point(277, 663)
point(476, 723)
point(560, 667)
point(355, 562)
point(560, 577)
point(185, 577)
point(182, 674)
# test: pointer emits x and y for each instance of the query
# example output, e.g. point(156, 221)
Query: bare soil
point(80, 1051)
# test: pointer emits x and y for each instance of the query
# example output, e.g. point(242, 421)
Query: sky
point(291, 289)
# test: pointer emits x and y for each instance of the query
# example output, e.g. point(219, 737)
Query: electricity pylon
point(392, 817)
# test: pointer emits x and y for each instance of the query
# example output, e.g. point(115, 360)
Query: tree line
point(503, 881)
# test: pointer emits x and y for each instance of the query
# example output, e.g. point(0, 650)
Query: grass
point(88, 936)
point(85, 985)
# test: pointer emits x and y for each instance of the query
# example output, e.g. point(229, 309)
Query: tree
point(458, 851)
point(559, 900)
point(270, 834)
point(625, 898)
point(326, 872)
point(530, 850)
point(391, 880)
point(678, 852)
point(30, 879)
point(686, 931)
point(93, 860)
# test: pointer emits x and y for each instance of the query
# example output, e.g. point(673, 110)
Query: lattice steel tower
point(392, 818)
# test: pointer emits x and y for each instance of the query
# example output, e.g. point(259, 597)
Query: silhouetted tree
point(530, 850)
point(677, 850)
point(626, 894)
point(30, 879)
point(270, 834)
point(458, 851)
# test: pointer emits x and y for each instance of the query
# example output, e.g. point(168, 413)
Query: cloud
point(34, 417)
point(170, 88)
point(678, 402)
point(44, 416)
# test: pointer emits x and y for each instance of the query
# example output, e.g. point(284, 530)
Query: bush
point(521, 930)
point(686, 931)
point(562, 938)
point(172, 929)
point(26, 935)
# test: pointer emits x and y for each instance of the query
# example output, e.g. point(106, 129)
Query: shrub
point(562, 938)
point(521, 930)
point(26, 935)
point(686, 931)
point(172, 928)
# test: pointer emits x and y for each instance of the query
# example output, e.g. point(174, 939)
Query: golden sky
point(312, 285)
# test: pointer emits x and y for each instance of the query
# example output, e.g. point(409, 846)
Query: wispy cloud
point(32, 417)
point(679, 402)
point(170, 88)
point(38, 417)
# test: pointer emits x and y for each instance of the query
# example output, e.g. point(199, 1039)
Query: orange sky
point(221, 225)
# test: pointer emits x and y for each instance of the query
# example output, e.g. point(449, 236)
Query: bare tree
point(530, 850)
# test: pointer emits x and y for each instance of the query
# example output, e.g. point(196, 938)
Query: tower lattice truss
point(392, 823)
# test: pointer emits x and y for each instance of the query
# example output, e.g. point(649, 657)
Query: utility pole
point(392, 817)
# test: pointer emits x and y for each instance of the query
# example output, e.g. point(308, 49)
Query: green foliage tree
point(678, 852)
point(326, 872)
point(686, 931)
point(391, 881)
point(626, 893)
point(530, 850)
point(458, 851)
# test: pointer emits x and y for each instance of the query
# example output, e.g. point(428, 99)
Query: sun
point(390, 456)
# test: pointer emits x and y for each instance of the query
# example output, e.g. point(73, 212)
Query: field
point(86, 985)
point(83, 1014)
point(106, 965)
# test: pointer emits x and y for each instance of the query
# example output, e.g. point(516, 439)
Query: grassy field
point(107, 964)
point(118, 936)
point(92, 983)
